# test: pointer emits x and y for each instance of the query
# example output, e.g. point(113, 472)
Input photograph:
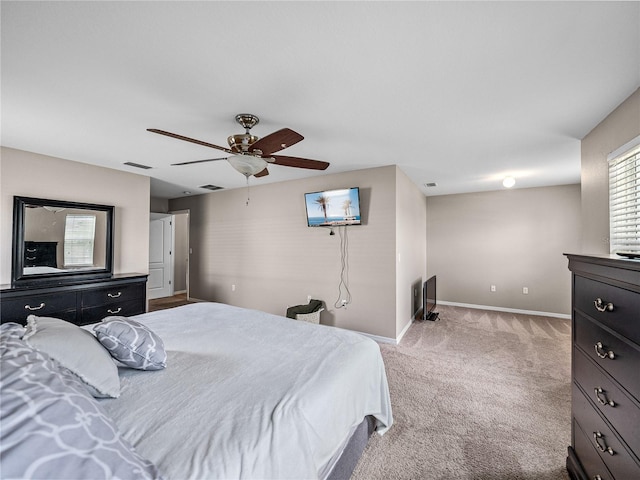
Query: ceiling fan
point(249, 154)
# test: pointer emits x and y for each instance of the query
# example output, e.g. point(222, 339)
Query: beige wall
point(411, 254)
point(159, 205)
point(267, 251)
point(508, 238)
point(33, 175)
point(620, 126)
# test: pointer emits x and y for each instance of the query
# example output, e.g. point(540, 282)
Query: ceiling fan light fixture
point(241, 142)
point(248, 152)
point(247, 164)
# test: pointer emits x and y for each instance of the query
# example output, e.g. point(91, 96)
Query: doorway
point(169, 255)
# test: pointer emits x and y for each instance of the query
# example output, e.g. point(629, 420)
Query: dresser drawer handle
point(603, 307)
point(598, 391)
point(602, 354)
point(31, 258)
point(31, 250)
point(110, 295)
point(113, 312)
point(28, 307)
point(603, 448)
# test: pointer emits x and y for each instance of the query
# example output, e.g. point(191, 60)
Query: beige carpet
point(477, 395)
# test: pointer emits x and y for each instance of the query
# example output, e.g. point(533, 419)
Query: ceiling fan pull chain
point(248, 191)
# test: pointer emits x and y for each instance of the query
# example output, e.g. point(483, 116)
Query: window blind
point(79, 236)
point(624, 200)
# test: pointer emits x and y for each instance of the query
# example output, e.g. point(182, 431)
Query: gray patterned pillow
point(132, 343)
point(77, 350)
point(51, 426)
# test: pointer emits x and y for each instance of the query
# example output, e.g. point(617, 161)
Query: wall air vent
point(431, 184)
point(211, 187)
point(138, 165)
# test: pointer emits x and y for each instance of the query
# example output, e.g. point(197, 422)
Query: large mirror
point(55, 241)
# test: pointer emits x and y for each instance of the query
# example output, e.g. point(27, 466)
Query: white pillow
point(77, 350)
point(131, 343)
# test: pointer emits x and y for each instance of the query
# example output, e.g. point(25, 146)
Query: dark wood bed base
point(353, 451)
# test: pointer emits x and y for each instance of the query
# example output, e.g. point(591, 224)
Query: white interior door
point(161, 241)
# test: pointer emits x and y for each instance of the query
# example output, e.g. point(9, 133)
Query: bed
point(246, 394)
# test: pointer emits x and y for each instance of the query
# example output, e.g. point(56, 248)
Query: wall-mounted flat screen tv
point(333, 208)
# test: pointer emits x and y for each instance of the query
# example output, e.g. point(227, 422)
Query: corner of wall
point(619, 127)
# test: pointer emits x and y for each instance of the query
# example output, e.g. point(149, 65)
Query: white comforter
point(249, 395)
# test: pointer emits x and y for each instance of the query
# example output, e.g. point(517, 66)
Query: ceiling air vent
point(137, 165)
point(211, 187)
point(431, 184)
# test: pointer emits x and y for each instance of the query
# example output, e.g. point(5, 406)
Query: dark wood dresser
point(605, 408)
point(79, 303)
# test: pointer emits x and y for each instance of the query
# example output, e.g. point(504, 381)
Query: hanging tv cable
point(344, 295)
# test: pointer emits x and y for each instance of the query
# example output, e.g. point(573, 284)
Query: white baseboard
point(404, 330)
point(394, 341)
point(503, 309)
point(378, 338)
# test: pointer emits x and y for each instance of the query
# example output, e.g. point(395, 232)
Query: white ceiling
point(456, 93)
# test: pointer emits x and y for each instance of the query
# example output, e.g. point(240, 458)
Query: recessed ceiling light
point(508, 182)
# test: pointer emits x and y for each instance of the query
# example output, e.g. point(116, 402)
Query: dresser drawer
point(616, 457)
point(66, 315)
point(115, 293)
point(593, 465)
point(597, 342)
point(40, 254)
point(624, 414)
point(18, 309)
point(123, 309)
point(625, 316)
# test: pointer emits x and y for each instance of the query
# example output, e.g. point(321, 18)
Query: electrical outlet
point(525, 290)
point(233, 287)
point(344, 302)
point(308, 298)
point(493, 288)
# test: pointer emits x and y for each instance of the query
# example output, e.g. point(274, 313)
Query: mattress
point(248, 394)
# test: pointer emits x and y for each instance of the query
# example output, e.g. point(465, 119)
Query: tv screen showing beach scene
point(332, 208)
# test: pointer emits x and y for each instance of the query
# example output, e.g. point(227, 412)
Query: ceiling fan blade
point(187, 139)
point(262, 173)
point(298, 162)
point(276, 141)
point(198, 161)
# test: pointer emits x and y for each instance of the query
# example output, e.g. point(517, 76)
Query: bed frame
point(353, 451)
